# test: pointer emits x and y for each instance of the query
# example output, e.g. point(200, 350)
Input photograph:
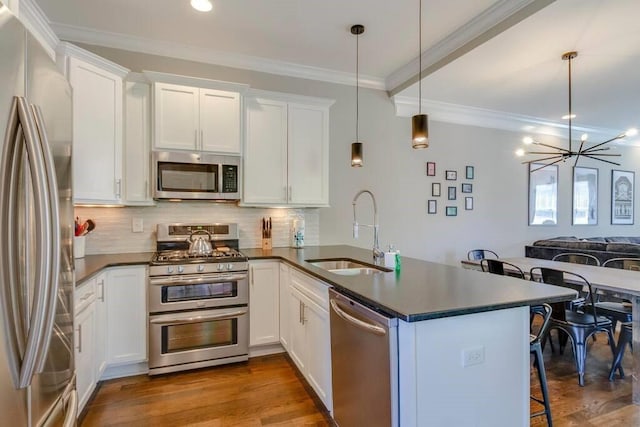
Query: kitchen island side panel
point(436, 388)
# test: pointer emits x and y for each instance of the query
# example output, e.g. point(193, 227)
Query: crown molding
point(65, 49)
point(155, 76)
point(474, 116)
point(494, 20)
point(210, 56)
point(38, 24)
point(291, 98)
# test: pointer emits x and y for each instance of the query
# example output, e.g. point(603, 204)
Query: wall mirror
point(585, 196)
point(543, 194)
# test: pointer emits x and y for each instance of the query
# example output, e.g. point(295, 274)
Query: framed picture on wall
point(451, 175)
point(435, 189)
point(467, 188)
point(469, 172)
point(431, 168)
point(468, 203)
point(451, 195)
point(622, 197)
point(452, 210)
point(543, 194)
point(432, 207)
point(585, 196)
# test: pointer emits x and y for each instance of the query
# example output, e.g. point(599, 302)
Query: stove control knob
point(201, 268)
point(220, 267)
point(229, 266)
point(169, 270)
point(180, 269)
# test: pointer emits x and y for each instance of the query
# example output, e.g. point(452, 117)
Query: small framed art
point(467, 188)
point(622, 183)
point(451, 175)
point(431, 168)
point(435, 189)
point(452, 211)
point(469, 172)
point(432, 207)
point(451, 193)
point(468, 203)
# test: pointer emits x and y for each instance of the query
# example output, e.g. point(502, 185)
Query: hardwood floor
point(269, 391)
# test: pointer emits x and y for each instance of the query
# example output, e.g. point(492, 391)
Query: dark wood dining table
point(613, 281)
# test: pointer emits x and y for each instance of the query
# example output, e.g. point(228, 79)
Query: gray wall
point(395, 172)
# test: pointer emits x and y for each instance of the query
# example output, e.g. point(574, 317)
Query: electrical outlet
point(137, 225)
point(473, 356)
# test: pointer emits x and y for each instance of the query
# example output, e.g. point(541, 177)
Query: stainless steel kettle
point(200, 246)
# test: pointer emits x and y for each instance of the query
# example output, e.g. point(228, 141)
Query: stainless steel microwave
point(195, 176)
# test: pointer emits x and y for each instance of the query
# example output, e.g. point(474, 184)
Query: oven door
point(197, 291)
point(197, 336)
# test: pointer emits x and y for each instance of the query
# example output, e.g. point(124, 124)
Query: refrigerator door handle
point(11, 155)
point(43, 249)
point(53, 239)
point(72, 410)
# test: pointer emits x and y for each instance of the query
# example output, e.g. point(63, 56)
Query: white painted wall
point(395, 173)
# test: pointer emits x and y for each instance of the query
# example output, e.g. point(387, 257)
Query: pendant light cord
point(570, 109)
point(420, 58)
point(357, 86)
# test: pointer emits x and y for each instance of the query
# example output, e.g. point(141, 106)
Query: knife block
point(266, 243)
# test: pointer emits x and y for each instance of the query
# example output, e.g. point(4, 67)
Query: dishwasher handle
point(369, 327)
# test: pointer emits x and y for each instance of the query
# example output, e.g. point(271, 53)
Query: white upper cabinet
point(97, 126)
point(286, 153)
point(196, 119)
point(137, 144)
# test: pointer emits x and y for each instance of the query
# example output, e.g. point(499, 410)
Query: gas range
point(173, 257)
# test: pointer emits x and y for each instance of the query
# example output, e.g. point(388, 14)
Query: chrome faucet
point(377, 253)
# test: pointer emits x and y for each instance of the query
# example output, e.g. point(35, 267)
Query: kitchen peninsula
point(443, 313)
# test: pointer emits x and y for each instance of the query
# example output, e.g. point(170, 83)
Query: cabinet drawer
point(85, 294)
point(315, 289)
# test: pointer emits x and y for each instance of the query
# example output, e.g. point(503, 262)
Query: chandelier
point(553, 154)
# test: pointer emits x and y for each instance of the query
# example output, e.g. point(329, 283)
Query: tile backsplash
point(113, 232)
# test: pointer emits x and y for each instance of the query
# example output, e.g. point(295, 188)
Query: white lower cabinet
point(285, 280)
point(126, 315)
point(101, 326)
point(84, 328)
point(264, 296)
point(309, 332)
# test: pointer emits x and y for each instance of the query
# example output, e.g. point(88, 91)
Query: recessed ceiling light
point(568, 116)
point(201, 5)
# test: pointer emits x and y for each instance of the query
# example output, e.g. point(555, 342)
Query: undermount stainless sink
point(347, 267)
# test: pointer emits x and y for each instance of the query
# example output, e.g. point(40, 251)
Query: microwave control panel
point(229, 179)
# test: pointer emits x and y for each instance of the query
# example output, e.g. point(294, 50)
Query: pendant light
point(356, 147)
point(420, 122)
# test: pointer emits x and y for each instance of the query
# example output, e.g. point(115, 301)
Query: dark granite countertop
point(92, 264)
point(421, 290)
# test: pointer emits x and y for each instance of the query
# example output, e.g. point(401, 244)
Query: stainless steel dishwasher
point(364, 364)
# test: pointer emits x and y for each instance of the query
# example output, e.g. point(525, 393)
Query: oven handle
point(196, 279)
point(166, 320)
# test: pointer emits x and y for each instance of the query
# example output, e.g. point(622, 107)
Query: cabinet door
point(85, 369)
point(220, 121)
point(285, 282)
point(308, 154)
point(265, 156)
point(297, 336)
point(318, 343)
point(176, 117)
point(137, 143)
point(100, 361)
point(97, 133)
point(264, 326)
point(126, 315)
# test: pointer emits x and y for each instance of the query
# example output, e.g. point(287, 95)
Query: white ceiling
point(518, 71)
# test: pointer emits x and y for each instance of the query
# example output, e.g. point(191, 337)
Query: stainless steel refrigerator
point(37, 383)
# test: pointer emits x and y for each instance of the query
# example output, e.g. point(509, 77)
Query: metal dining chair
point(626, 337)
point(503, 268)
point(535, 347)
point(478, 254)
point(576, 326)
point(577, 258)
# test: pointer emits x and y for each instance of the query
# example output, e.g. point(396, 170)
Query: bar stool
point(626, 337)
point(535, 347)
